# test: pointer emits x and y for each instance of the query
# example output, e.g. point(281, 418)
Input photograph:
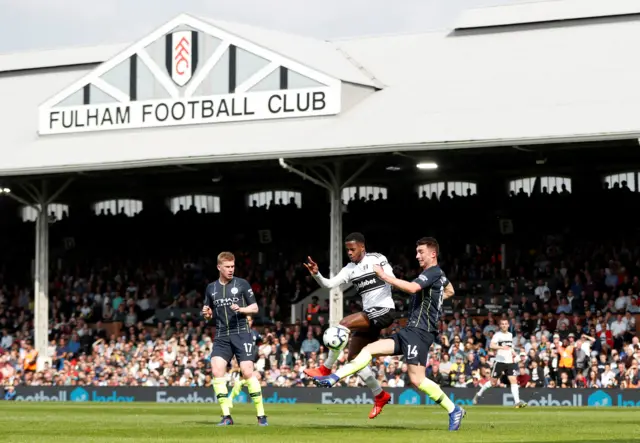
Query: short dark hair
point(429, 242)
point(356, 237)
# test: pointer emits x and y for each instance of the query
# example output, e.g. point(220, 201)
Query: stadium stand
point(126, 291)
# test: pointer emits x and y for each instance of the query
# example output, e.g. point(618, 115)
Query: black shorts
point(500, 369)
point(239, 345)
point(414, 344)
point(380, 318)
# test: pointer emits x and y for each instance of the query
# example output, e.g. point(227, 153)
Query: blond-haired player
point(230, 299)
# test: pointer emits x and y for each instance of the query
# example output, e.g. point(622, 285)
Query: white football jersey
point(503, 339)
point(375, 292)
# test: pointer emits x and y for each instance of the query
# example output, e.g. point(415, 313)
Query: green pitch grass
point(144, 422)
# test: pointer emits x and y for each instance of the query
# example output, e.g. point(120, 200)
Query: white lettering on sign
point(189, 111)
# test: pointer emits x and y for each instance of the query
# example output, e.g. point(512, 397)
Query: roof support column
point(40, 201)
point(336, 300)
point(334, 184)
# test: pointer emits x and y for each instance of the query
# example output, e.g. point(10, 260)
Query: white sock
point(369, 378)
point(331, 358)
point(515, 392)
point(483, 388)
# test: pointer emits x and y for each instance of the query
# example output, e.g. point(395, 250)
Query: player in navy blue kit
point(238, 384)
point(230, 299)
point(429, 290)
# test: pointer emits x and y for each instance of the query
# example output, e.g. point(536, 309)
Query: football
point(336, 338)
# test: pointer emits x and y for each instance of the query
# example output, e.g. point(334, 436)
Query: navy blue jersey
point(426, 305)
point(220, 297)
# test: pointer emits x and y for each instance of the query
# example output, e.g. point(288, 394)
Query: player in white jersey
point(503, 363)
point(364, 327)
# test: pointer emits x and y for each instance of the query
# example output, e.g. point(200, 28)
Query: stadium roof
point(539, 83)
point(545, 12)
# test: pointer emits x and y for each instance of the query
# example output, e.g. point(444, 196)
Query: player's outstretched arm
point(328, 283)
point(405, 286)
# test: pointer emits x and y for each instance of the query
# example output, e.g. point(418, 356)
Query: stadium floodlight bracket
point(334, 176)
point(304, 175)
point(38, 197)
point(59, 191)
point(360, 170)
point(21, 200)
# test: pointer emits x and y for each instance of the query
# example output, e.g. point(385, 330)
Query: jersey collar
point(364, 254)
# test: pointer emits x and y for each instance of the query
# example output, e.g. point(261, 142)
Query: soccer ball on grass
point(336, 338)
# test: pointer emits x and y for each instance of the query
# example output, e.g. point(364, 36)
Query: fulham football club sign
point(189, 72)
point(182, 56)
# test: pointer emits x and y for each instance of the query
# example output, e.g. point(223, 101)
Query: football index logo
point(79, 394)
point(599, 398)
point(409, 397)
point(241, 398)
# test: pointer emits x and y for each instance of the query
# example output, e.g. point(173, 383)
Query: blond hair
point(225, 256)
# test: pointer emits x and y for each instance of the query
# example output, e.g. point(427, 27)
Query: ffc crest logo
point(182, 56)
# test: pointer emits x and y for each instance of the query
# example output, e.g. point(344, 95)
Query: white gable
point(190, 72)
point(323, 56)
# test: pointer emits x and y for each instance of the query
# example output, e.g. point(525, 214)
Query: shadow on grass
point(398, 429)
point(244, 423)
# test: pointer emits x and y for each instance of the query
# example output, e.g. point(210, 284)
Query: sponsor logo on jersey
point(222, 302)
point(366, 283)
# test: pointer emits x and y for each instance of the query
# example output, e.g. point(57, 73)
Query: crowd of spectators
point(569, 332)
point(571, 304)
